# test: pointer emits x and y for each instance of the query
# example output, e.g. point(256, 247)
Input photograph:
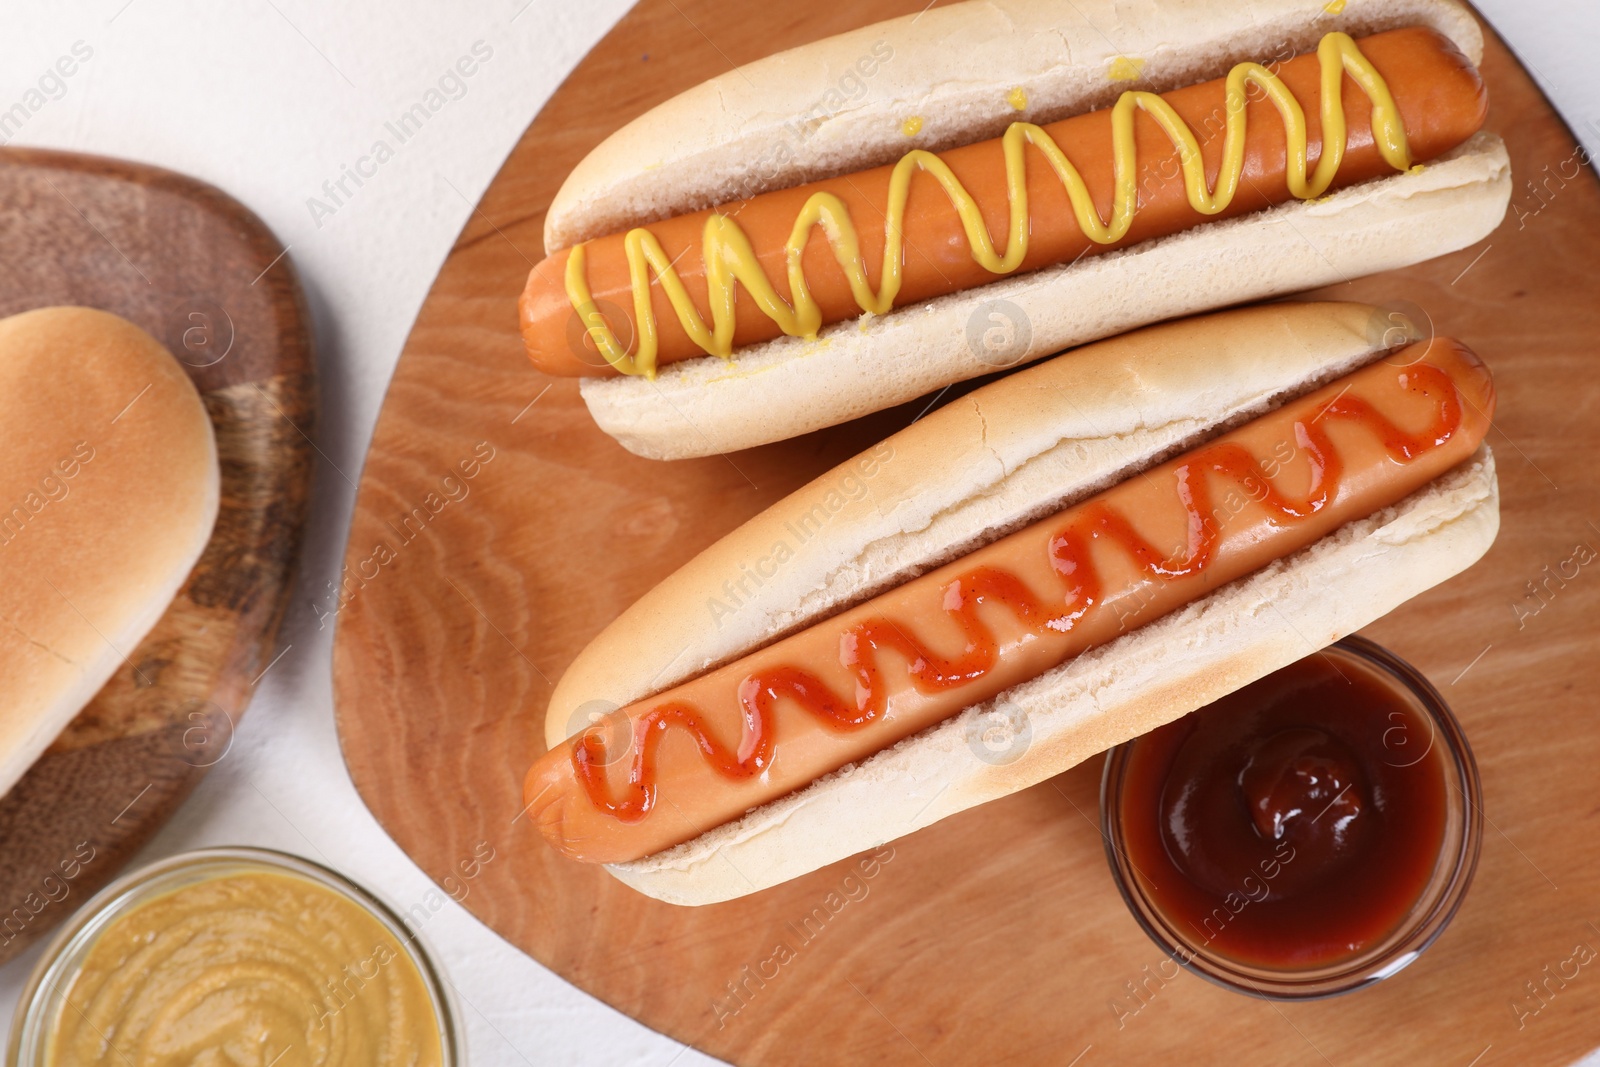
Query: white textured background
point(270, 98)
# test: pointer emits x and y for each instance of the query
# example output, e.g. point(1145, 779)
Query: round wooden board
point(996, 935)
point(202, 274)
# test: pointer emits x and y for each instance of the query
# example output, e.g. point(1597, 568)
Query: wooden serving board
point(995, 936)
point(201, 273)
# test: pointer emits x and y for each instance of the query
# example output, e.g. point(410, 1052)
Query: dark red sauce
point(1295, 823)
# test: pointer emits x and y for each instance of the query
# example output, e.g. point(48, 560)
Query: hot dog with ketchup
point(761, 279)
point(706, 763)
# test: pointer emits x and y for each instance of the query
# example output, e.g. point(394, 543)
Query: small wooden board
point(201, 273)
point(995, 936)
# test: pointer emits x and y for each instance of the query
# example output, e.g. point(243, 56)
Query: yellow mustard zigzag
point(730, 260)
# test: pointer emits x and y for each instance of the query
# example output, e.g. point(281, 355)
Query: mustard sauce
point(250, 968)
point(1125, 69)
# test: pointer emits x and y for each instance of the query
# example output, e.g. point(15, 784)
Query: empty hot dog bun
point(109, 492)
point(960, 74)
point(983, 466)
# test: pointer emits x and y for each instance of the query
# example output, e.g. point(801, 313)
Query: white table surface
point(268, 99)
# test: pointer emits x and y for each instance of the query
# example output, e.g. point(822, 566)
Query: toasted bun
point(837, 105)
point(1146, 678)
point(977, 468)
point(782, 388)
point(107, 496)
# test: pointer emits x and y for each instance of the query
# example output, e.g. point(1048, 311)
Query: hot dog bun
point(109, 491)
point(973, 470)
point(738, 135)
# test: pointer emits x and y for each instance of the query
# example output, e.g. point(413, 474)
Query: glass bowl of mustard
point(235, 955)
point(1306, 836)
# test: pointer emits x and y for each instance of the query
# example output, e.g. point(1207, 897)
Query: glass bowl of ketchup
point(1305, 836)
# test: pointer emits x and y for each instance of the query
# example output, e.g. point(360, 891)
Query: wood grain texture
point(201, 273)
point(995, 936)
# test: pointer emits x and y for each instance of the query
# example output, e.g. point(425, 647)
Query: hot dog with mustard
point(761, 279)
